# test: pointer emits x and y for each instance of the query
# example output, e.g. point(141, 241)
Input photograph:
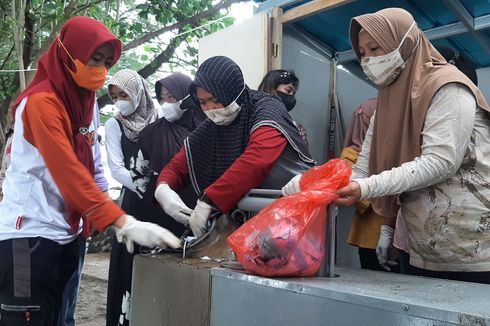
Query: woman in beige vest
point(428, 146)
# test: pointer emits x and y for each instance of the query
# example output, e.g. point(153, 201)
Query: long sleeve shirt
point(46, 177)
point(252, 167)
point(115, 156)
point(445, 138)
point(99, 177)
point(444, 191)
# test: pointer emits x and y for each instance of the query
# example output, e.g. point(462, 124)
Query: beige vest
point(449, 223)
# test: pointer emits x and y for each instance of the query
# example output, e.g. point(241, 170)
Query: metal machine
point(170, 290)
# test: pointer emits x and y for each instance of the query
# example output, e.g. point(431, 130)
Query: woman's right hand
point(349, 195)
point(292, 187)
point(130, 230)
point(171, 203)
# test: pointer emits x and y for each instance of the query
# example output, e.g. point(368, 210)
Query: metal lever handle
point(328, 265)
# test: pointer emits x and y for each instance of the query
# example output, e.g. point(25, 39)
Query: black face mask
point(288, 100)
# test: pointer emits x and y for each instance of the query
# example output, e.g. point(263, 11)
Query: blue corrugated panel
point(331, 26)
point(477, 8)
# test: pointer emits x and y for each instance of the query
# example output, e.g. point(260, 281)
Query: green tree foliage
point(159, 35)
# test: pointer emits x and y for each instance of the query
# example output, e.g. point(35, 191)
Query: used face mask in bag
point(226, 115)
point(289, 101)
point(384, 69)
point(125, 107)
point(172, 111)
point(91, 78)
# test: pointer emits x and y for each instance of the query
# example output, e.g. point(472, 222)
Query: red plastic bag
point(287, 237)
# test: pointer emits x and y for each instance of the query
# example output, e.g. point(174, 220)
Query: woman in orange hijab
point(427, 147)
point(50, 194)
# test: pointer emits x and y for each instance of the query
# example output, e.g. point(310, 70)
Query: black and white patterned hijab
point(211, 149)
point(137, 89)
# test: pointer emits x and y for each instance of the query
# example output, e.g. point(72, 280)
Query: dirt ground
point(91, 304)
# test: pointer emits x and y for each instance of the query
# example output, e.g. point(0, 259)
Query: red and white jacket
point(45, 177)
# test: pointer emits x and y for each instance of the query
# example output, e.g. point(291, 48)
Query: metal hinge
point(275, 50)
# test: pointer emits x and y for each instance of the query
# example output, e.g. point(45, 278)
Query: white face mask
point(172, 111)
point(125, 107)
point(384, 69)
point(226, 115)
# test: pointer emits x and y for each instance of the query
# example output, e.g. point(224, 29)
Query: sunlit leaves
point(130, 21)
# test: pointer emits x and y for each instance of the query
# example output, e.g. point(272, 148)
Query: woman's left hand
point(349, 195)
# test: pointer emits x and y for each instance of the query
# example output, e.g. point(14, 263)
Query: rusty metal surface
point(215, 245)
point(169, 290)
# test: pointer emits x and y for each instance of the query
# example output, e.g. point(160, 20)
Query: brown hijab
point(402, 105)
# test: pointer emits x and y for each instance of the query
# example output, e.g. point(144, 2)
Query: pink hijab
point(359, 124)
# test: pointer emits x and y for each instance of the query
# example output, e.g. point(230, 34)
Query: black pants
point(70, 295)
point(369, 260)
point(404, 262)
point(33, 275)
point(477, 277)
point(119, 287)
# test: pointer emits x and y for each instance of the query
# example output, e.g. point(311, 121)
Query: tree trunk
point(29, 33)
point(32, 58)
point(41, 22)
point(18, 26)
point(118, 14)
point(72, 8)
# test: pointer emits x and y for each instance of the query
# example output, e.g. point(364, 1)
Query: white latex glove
point(384, 244)
point(199, 217)
point(172, 204)
point(146, 234)
point(292, 186)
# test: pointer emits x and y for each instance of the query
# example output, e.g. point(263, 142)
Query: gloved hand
point(171, 203)
point(292, 186)
point(384, 244)
point(199, 217)
point(146, 234)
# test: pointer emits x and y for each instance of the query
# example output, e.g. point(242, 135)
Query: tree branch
point(86, 6)
point(70, 8)
point(181, 62)
point(5, 104)
point(160, 59)
point(8, 57)
point(192, 20)
point(68, 13)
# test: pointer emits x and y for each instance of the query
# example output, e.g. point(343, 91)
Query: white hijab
point(137, 89)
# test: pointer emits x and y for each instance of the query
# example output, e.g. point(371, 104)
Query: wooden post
point(274, 40)
point(310, 8)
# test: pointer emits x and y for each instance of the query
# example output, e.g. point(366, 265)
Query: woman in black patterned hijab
point(248, 141)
